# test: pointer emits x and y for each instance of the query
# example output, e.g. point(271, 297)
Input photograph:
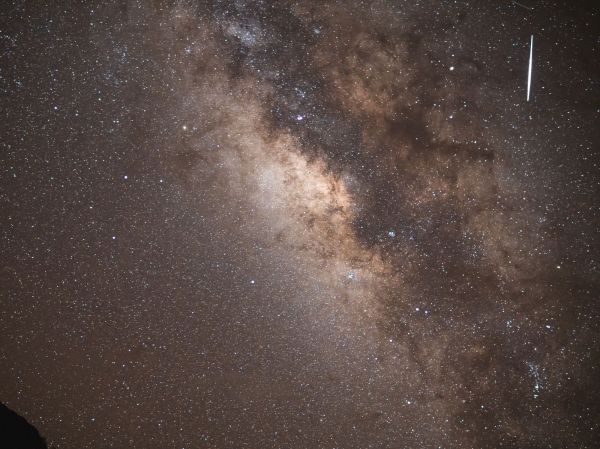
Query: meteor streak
point(523, 6)
point(529, 72)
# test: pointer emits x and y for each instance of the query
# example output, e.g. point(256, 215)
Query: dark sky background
point(313, 224)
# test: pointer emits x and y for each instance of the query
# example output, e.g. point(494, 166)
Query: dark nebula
point(301, 224)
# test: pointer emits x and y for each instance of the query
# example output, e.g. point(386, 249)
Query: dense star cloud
point(320, 224)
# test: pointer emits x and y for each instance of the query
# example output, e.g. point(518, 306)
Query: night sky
point(301, 224)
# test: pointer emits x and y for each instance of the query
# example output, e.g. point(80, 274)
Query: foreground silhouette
point(17, 433)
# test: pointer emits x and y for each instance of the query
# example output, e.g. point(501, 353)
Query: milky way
point(320, 224)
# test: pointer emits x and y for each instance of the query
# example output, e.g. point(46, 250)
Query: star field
point(316, 224)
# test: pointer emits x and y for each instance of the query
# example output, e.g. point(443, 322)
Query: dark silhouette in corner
point(17, 433)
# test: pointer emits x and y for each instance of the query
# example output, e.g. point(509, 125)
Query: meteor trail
point(529, 72)
point(523, 6)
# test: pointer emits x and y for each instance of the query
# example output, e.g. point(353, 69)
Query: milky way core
point(313, 224)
